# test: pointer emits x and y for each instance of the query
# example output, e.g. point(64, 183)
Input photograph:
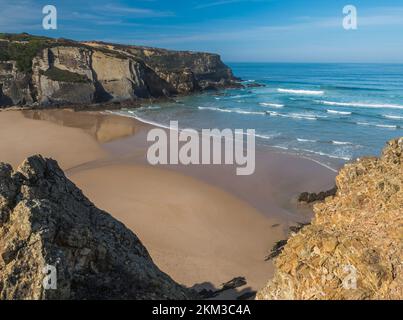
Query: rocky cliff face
point(354, 247)
point(67, 72)
point(49, 228)
point(15, 86)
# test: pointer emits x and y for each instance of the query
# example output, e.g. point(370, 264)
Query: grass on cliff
point(57, 74)
point(21, 52)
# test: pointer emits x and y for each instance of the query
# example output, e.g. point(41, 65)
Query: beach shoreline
point(201, 225)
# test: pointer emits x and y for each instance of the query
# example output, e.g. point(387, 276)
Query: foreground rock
point(46, 222)
point(353, 248)
point(44, 71)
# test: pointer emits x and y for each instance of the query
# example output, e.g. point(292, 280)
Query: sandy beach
point(201, 225)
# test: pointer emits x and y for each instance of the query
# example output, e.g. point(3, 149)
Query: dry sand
point(199, 225)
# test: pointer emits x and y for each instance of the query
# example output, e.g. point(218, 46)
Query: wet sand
point(201, 224)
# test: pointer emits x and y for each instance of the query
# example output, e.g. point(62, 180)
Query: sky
point(239, 30)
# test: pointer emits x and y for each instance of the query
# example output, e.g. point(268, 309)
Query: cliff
point(354, 247)
point(44, 71)
point(46, 222)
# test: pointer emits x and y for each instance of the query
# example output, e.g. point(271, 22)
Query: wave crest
point(359, 104)
point(344, 113)
point(304, 92)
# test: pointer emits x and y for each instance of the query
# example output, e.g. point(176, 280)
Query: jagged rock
point(309, 197)
point(46, 221)
point(14, 85)
point(255, 85)
point(353, 248)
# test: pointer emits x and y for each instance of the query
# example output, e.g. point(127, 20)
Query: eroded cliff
point(44, 71)
point(354, 247)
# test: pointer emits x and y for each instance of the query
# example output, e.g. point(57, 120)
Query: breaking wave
point(232, 110)
point(344, 113)
point(393, 117)
point(360, 104)
point(304, 92)
point(388, 126)
point(274, 105)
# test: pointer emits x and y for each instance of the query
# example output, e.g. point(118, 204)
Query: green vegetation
point(22, 52)
point(21, 37)
point(56, 74)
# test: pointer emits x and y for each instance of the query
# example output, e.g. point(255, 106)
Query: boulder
point(55, 244)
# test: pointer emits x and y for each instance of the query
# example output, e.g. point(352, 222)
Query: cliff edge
point(44, 71)
point(354, 247)
point(55, 244)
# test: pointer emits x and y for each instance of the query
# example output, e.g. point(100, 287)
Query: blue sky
point(239, 30)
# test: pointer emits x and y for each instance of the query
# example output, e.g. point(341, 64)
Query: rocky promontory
point(353, 249)
point(39, 71)
point(55, 244)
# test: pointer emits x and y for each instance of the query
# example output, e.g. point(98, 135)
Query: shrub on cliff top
point(22, 53)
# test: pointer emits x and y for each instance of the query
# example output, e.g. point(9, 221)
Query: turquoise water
point(332, 113)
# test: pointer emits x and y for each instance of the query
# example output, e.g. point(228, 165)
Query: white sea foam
point(324, 154)
point(239, 96)
point(293, 115)
point(360, 104)
point(213, 109)
point(345, 113)
point(274, 105)
point(249, 112)
point(144, 108)
point(263, 136)
point(341, 142)
point(388, 126)
point(305, 140)
point(393, 117)
point(304, 92)
point(231, 110)
point(280, 147)
point(135, 116)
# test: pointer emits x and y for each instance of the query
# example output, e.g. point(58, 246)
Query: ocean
point(330, 113)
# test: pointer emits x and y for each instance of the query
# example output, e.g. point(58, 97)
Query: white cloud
point(224, 2)
point(129, 12)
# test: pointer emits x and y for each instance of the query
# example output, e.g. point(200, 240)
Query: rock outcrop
point(59, 72)
point(310, 197)
point(15, 86)
point(354, 247)
point(49, 228)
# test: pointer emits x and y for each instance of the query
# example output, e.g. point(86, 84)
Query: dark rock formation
point(59, 72)
point(255, 85)
point(46, 222)
point(309, 197)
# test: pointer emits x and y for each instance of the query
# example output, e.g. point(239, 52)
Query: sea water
point(331, 113)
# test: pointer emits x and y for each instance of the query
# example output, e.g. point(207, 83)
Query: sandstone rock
point(112, 73)
point(354, 247)
point(46, 221)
